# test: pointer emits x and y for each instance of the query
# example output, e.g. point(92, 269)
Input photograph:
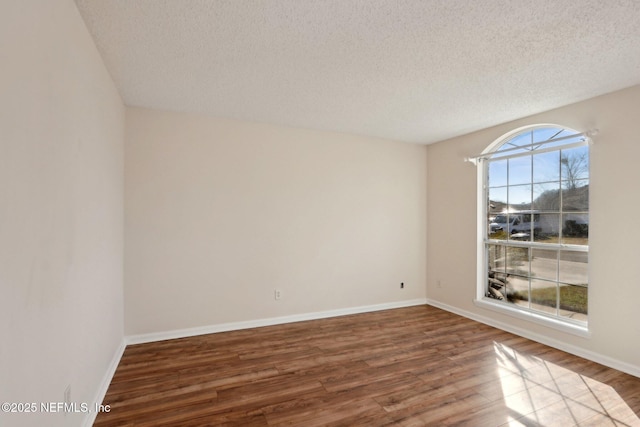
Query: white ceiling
point(412, 70)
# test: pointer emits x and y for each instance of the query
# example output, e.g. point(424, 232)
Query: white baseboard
point(224, 327)
point(90, 417)
point(181, 333)
point(578, 351)
point(233, 326)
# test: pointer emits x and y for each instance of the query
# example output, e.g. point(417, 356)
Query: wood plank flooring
point(416, 366)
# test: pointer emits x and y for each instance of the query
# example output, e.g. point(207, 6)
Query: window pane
point(520, 170)
point(547, 230)
point(575, 230)
point(518, 290)
point(496, 231)
point(524, 138)
point(520, 236)
point(546, 197)
point(575, 165)
point(517, 141)
point(573, 268)
point(520, 196)
point(518, 261)
point(497, 173)
point(564, 133)
point(544, 264)
point(546, 167)
point(496, 255)
point(547, 133)
point(498, 225)
point(573, 302)
point(544, 296)
point(497, 199)
point(497, 280)
point(576, 199)
point(521, 225)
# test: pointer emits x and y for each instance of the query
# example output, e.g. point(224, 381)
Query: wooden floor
point(408, 367)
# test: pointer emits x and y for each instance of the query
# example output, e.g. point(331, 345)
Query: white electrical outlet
point(277, 294)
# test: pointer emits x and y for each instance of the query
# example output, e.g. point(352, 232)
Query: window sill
point(580, 330)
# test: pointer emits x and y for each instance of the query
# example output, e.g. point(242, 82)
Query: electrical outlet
point(277, 294)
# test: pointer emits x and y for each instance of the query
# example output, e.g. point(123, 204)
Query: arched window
point(534, 217)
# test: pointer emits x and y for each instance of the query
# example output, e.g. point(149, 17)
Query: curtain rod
point(588, 134)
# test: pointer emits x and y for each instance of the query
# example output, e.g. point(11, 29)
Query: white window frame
point(481, 300)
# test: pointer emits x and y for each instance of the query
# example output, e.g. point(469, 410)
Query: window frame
point(483, 240)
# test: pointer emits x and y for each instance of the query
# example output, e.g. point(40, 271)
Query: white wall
point(219, 213)
point(61, 211)
point(614, 318)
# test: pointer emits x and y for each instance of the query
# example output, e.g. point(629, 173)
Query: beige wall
point(220, 213)
point(614, 318)
point(61, 210)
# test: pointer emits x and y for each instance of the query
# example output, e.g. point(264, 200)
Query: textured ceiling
point(411, 70)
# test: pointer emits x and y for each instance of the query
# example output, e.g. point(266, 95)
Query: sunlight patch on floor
point(537, 392)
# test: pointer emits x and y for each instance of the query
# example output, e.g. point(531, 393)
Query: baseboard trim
point(90, 418)
point(224, 327)
point(578, 351)
point(234, 326)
